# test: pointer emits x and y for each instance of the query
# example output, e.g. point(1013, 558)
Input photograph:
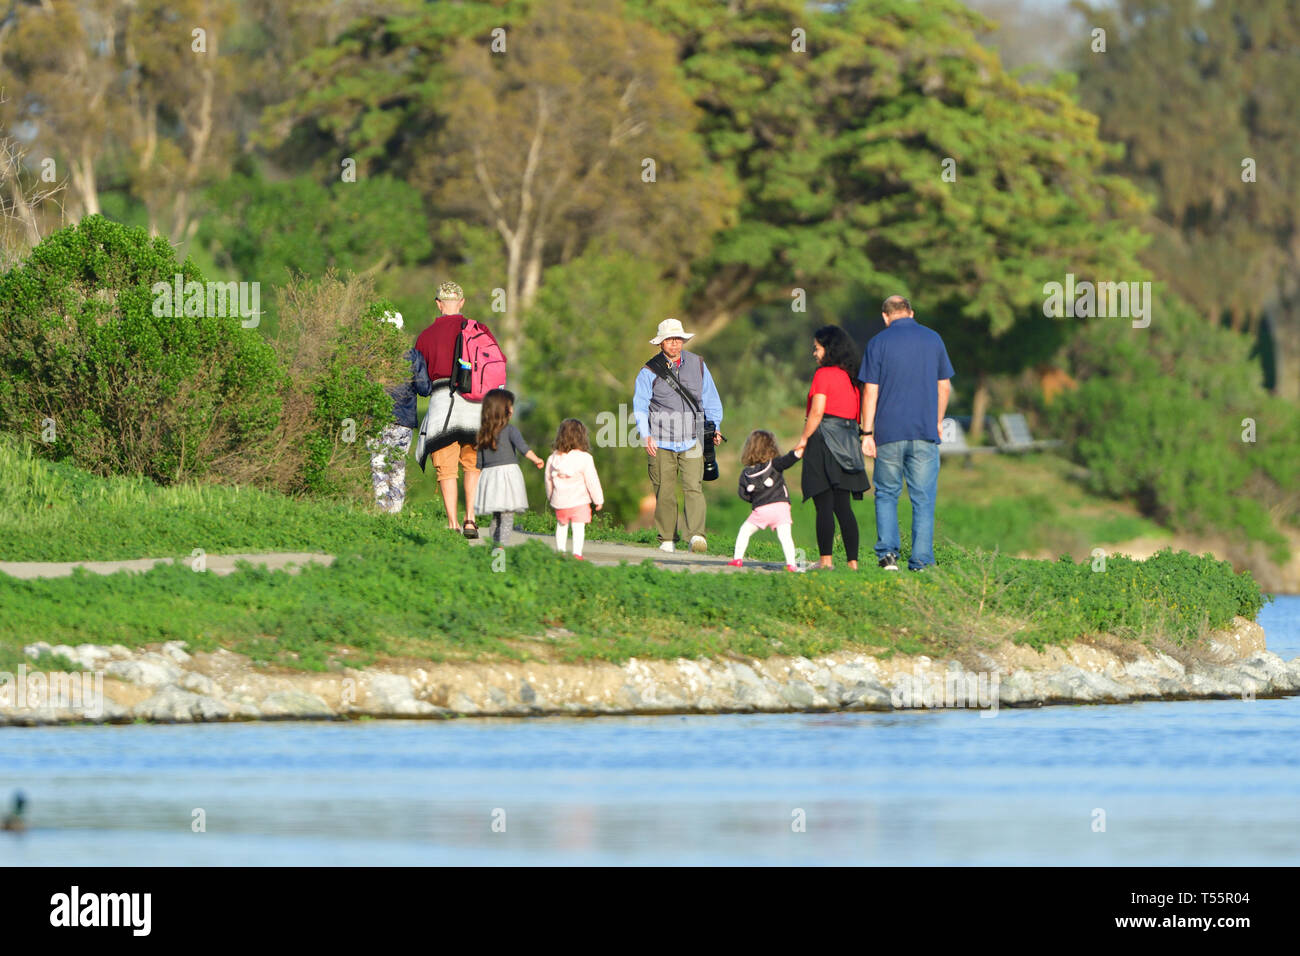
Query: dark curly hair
point(841, 350)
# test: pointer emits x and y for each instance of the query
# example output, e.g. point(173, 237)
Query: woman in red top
point(833, 469)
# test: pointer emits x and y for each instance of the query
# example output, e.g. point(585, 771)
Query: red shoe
point(578, 557)
point(735, 563)
point(791, 567)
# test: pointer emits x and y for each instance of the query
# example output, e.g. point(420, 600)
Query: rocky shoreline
point(167, 684)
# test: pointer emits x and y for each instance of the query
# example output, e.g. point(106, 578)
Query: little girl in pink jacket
point(572, 485)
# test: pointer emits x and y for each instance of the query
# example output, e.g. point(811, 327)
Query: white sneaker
point(666, 546)
point(698, 544)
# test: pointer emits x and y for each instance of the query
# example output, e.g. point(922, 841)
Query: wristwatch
point(862, 434)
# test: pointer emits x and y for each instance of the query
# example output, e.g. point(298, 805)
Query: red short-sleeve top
point(842, 397)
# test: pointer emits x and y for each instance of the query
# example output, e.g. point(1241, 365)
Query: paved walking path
point(216, 563)
point(611, 552)
point(596, 552)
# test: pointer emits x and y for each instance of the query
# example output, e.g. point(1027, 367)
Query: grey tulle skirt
point(501, 488)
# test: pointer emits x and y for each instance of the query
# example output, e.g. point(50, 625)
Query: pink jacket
point(571, 480)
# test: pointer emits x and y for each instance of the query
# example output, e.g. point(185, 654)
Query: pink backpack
point(480, 365)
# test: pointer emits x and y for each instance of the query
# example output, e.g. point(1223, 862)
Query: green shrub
point(1160, 416)
point(340, 353)
point(126, 391)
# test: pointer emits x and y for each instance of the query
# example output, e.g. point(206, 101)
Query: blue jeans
point(918, 462)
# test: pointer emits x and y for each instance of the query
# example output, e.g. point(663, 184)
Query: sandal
point(470, 529)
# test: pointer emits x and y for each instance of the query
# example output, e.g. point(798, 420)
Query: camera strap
point(659, 365)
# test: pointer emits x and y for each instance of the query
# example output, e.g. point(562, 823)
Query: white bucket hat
point(671, 329)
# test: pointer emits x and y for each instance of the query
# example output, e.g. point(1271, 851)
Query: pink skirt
point(771, 516)
point(580, 514)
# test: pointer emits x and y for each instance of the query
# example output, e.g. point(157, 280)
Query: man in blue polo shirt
point(908, 379)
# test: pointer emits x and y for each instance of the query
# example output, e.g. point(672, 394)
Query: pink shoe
point(578, 557)
point(735, 563)
point(791, 567)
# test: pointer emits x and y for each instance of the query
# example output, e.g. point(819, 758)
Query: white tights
point(783, 532)
point(562, 535)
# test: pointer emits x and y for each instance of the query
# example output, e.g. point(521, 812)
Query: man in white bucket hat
point(671, 424)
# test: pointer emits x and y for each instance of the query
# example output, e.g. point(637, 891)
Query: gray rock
point(752, 693)
point(1145, 671)
point(463, 704)
point(294, 703)
point(848, 674)
point(820, 677)
point(180, 706)
point(1017, 688)
point(526, 692)
point(152, 670)
point(630, 696)
point(393, 694)
point(1170, 664)
point(1071, 683)
point(1103, 687)
point(1211, 681)
point(1169, 687)
point(798, 693)
point(111, 712)
point(199, 684)
point(1272, 669)
point(867, 695)
point(91, 656)
point(176, 651)
point(660, 697)
point(245, 707)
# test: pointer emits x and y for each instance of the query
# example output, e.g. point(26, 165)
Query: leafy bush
point(173, 398)
point(1160, 416)
point(127, 391)
point(339, 353)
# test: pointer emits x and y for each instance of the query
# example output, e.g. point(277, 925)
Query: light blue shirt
point(710, 401)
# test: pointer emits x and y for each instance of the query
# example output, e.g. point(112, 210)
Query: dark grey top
point(510, 445)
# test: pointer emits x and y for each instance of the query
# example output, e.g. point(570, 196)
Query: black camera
point(710, 451)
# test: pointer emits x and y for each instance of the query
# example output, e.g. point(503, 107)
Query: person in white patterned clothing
point(389, 448)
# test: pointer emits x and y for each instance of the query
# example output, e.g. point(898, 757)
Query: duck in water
point(14, 822)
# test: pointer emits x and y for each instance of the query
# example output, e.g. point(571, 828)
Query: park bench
point(1011, 435)
point(952, 440)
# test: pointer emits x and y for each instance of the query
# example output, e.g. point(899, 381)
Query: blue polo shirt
point(907, 361)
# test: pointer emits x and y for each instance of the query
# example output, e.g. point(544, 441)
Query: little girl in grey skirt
point(501, 490)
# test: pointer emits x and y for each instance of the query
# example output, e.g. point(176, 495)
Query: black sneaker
point(889, 562)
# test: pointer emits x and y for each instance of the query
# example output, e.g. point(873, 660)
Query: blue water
point(1197, 782)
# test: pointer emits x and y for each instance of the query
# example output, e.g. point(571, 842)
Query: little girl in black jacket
point(762, 484)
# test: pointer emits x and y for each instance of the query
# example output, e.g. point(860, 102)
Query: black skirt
point(821, 471)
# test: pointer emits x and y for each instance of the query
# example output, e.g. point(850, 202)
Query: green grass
point(403, 587)
point(447, 601)
point(52, 511)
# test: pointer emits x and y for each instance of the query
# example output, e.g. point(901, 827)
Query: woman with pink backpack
point(465, 363)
